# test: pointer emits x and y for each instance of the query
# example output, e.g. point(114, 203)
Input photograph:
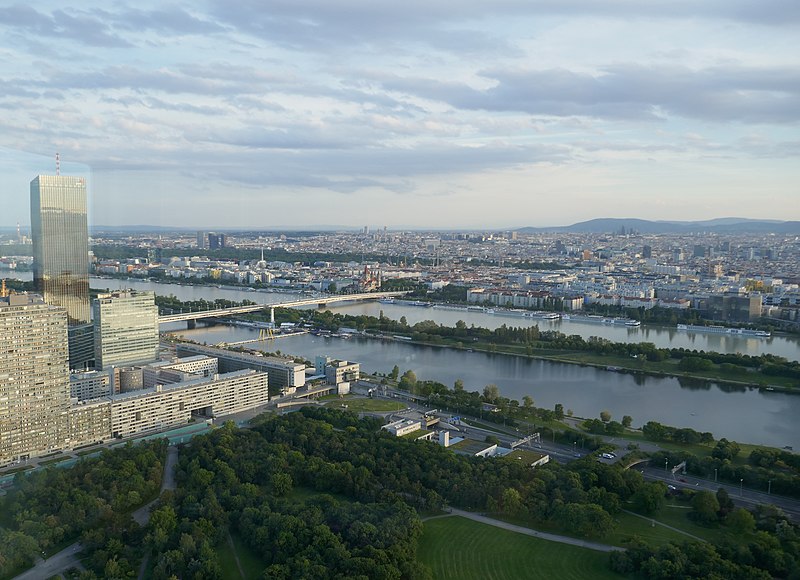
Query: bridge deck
point(184, 316)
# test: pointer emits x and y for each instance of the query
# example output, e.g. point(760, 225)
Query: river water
point(662, 337)
point(747, 415)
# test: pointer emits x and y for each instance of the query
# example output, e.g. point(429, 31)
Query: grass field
point(366, 405)
point(252, 566)
point(458, 548)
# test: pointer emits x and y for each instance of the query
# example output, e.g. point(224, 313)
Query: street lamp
point(666, 461)
point(715, 475)
point(769, 487)
point(741, 485)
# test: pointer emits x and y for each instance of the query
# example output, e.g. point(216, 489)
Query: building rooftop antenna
point(58, 164)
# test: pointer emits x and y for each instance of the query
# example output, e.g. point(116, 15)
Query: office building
point(285, 375)
point(34, 377)
point(61, 256)
point(202, 244)
point(163, 407)
point(61, 243)
point(216, 241)
point(125, 329)
point(341, 371)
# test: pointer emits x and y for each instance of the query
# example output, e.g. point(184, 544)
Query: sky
point(421, 113)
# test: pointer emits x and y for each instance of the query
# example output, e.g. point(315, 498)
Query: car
point(682, 480)
point(612, 454)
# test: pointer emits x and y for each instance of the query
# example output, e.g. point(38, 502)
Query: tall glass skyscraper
point(61, 255)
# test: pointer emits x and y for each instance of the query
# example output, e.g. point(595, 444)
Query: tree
point(626, 421)
point(705, 507)
point(559, 408)
point(605, 416)
point(741, 521)
point(395, 373)
point(403, 321)
point(725, 502)
point(458, 385)
point(491, 393)
point(649, 498)
point(527, 402)
point(725, 449)
point(408, 381)
point(332, 288)
point(281, 484)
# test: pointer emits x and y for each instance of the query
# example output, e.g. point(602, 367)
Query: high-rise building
point(216, 241)
point(61, 256)
point(34, 377)
point(202, 244)
point(61, 243)
point(125, 329)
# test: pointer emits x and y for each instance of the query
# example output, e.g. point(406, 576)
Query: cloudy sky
point(421, 113)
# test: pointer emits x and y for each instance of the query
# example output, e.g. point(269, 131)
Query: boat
point(386, 300)
point(714, 329)
point(633, 323)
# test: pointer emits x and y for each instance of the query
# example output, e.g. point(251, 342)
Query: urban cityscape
point(89, 366)
point(360, 291)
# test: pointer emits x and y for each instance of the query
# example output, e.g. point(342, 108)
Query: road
point(743, 497)
point(747, 498)
point(63, 560)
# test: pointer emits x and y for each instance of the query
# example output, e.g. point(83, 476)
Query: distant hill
point(719, 225)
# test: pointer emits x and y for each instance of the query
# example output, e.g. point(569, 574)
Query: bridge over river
point(321, 301)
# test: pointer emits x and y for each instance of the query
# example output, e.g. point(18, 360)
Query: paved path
point(142, 515)
point(536, 534)
point(63, 560)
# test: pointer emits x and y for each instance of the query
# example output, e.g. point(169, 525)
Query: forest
point(320, 493)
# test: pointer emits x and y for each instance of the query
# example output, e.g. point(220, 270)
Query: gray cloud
point(628, 92)
point(75, 25)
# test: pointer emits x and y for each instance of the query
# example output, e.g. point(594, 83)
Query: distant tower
point(202, 240)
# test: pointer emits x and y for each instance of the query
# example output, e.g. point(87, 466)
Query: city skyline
point(489, 116)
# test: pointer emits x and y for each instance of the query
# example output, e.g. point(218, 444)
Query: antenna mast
point(58, 164)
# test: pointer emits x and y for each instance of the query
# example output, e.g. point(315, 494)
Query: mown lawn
point(366, 405)
point(458, 548)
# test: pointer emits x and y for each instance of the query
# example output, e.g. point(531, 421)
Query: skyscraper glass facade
point(61, 243)
point(125, 328)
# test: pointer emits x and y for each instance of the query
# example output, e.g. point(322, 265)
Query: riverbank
point(610, 363)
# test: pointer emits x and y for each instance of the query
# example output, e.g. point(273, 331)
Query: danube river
point(746, 415)
point(662, 337)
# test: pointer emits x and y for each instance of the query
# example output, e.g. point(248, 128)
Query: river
point(661, 336)
point(746, 415)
